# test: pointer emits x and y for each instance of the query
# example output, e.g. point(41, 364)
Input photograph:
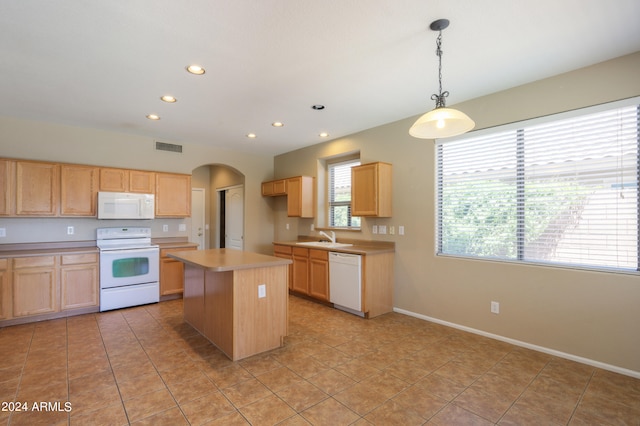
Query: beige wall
point(590, 315)
point(51, 142)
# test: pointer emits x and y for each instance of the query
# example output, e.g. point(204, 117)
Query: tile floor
point(144, 365)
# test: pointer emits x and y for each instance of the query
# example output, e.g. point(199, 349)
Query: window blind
point(340, 195)
point(564, 191)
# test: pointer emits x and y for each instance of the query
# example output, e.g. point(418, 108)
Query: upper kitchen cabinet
point(37, 188)
point(371, 190)
point(124, 180)
point(274, 188)
point(300, 196)
point(7, 173)
point(173, 195)
point(78, 190)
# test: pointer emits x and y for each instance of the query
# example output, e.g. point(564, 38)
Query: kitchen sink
point(323, 244)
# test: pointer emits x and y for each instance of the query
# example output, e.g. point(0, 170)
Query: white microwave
point(125, 205)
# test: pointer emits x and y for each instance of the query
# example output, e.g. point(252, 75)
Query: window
point(559, 192)
point(340, 195)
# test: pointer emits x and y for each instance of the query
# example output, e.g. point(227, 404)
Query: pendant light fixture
point(441, 122)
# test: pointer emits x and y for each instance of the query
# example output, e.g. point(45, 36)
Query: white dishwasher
point(345, 281)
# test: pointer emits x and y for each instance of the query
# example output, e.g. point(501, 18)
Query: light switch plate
point(182, 227)
point(382, 229)
point(262, 291)
point(3, 232)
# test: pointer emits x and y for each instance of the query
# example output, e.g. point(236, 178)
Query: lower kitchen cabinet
point(34, 288)
point(319, 274)
point(171, 272)
point(35, 285)
point(79, 281)
point(285, 252)
point(5, 290)
point(310, 272)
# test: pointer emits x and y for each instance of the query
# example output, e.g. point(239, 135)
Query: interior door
point(198, 225)
point(234, 218)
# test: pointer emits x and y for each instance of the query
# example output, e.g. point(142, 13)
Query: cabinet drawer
point(33, 262)
point(319, 254)
point(165, 252)
point(299, 251)
point(282, 249)
point(77, 259)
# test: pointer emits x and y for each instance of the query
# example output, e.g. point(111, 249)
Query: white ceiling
point(105, 64)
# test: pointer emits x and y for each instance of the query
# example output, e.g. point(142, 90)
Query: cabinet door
point(5, 290)
point(267, 189)
point(37, 188)
point(284, 252)
point(79, 281)
point(114, 180)
point(7, 186)
point(371, 190)
point(35, 286)
point(171, 272)
point(300, 196)
point(319, 274)
point(142, 182)
point(300, 280)
point(173, 195)
point(78, 190)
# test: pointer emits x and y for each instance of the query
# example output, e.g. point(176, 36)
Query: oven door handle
point(130, 251)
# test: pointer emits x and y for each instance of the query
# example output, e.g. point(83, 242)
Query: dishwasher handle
point(351, 259)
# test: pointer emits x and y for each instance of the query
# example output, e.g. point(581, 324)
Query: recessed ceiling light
point(195, 69)
point(251, 135)
point(323, 134)
point(317, 107)
point(168, 98)
point(277, 124)
point(153, 117)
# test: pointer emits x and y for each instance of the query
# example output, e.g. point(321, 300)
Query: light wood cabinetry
point(79, 285)
point(37, 188)
point(300, 270)
point(300, 196)
point(299, 192)
point(171, 272)
point(319, 274)
point(5, 290)
point(285, 252)
point(114, 180)
point(371, 190)
point(7, 185)
point(173, 195)
point(124, 180)
point(309, 271)
point(274, 188)
point(144, 182)
point(78, 190)
point(35, 285)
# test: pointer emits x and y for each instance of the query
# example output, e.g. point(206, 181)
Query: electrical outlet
point(165, 228)
point(374, 229)
point(401, 230)
point(286, 226)
point(3, 232)
point(495, 307)
point(382, 229)
point(392, 230)
point(262, 291)
point(313, 228)
point(70, 230)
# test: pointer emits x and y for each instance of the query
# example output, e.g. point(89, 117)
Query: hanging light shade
point(441, 122)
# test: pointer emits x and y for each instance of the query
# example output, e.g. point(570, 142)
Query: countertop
point(358, 247)
point(75, 247)
point(220, 260)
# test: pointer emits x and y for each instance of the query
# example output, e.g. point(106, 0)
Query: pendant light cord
point(439, 98)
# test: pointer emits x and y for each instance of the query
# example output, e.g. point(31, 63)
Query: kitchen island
point(236, 299)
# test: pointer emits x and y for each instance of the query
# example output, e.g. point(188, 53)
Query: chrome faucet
point(331, 238)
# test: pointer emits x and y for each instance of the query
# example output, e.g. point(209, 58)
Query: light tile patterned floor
point(144, 365)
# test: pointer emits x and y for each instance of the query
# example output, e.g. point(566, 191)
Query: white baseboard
point(553, 352)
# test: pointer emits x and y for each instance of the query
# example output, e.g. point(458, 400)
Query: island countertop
point(220, 260)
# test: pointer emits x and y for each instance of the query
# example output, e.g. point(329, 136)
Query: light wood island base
point(222, 299)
